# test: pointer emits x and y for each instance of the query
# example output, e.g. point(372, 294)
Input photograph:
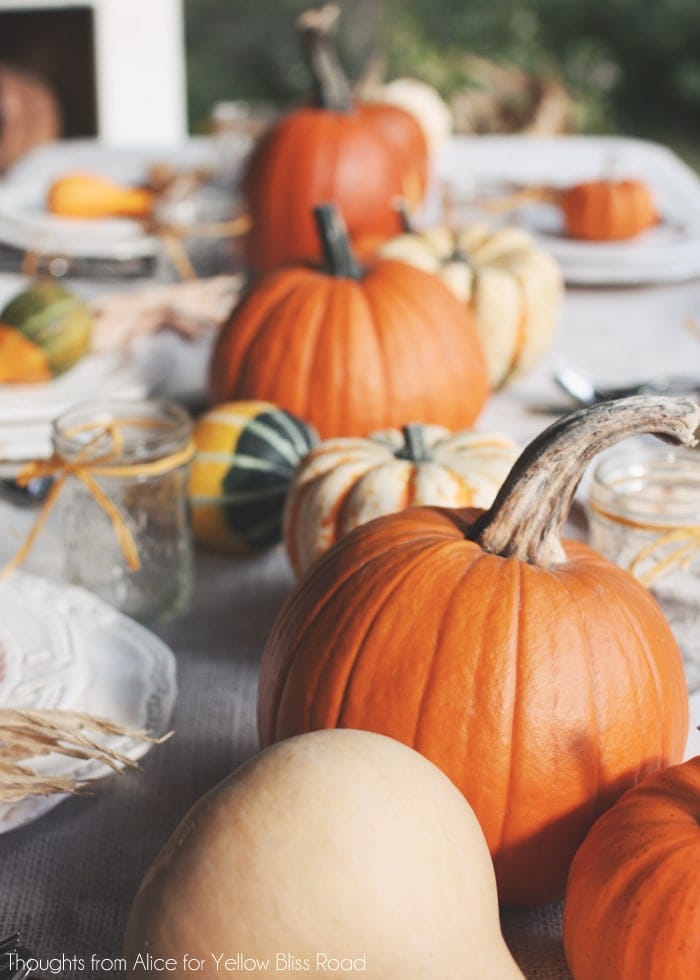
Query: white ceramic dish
point(26, 411)
point(476, 166)
point(26, 224)
point(62, 647)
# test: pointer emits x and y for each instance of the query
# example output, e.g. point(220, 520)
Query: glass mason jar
point(137, 455)
point(644, 515)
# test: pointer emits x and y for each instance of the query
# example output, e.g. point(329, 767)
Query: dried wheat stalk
point(24, 735)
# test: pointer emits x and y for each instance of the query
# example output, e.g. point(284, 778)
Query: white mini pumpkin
point(513, 286)
point(337, 853)
point(425, 103)
point(343, 483)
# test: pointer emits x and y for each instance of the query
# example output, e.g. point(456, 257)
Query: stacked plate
point(63, 648)
point(474, 168)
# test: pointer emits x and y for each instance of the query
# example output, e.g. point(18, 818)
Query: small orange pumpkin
point(364, 157)
point(352, 350)
point(608, 210)
point(632, 909)
point(21, 360)
point(541, 678)
point(87, 195)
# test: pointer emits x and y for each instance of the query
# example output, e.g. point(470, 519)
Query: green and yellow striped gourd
point(54, 319)
point(247, 453)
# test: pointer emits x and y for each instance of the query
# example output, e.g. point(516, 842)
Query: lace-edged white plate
point(62, 647)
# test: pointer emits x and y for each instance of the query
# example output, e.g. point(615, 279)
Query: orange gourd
point(608, 210)
point(542, 679)
point(21, 360)
point(632, 909)
point(352, 350)
point(86, 195)
point(364, 157)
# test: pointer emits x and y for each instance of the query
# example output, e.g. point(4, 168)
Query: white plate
point(27, 410)
point(26, 224)
point(476, 166)
point(62, 647)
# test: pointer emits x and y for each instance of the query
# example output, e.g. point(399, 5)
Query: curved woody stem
point(315, 28)
point(528, 515)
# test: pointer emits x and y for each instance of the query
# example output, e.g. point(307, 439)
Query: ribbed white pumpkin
point(343, 483)
point(513, 286)
point(425, 103)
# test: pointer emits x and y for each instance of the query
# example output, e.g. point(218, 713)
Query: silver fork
point(582, 390)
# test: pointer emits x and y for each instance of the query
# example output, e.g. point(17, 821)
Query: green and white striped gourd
point(247, 453)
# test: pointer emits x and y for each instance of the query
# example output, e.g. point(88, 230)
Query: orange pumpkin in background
point(608, 210)
point(541, 678)
point(632, 909)
point(364, 157)
point(352, 350)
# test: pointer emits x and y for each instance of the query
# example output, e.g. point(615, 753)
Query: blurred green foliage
point(633, 66)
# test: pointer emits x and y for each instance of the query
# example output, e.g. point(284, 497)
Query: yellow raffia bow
point(686, 541)
point(86, 467)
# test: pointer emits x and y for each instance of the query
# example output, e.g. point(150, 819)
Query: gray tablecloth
point(67, 880)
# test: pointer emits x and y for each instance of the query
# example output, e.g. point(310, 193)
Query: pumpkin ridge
point(589, 660)
point(400, 333)
point(447, 367)
point(439, 637)
point(231, 349)
point(327, 349)
point(273, 181)
point(650, 878)
point(410, 305)
point(307, 327)
point(383, 359)
point(301, 322)
point(633, 627)
point(477, 662)
point(394, 587)
point(356, 488)
point(517, 639)
point(327, 658)
point(297, 601)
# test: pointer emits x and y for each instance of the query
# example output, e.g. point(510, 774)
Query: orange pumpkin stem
point(527, 517)
point(315, 28)
point(339, 259)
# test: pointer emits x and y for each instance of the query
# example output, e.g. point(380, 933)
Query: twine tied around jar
point(172, 237)
point(686, 542)
point(86, 467)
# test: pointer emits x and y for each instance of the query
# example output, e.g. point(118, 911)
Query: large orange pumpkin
point(608, 210)
point(365, 157)
point(542, 679)
point(352, 350)
point(632, 908)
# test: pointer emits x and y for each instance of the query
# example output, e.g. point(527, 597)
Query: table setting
point(350, 569)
